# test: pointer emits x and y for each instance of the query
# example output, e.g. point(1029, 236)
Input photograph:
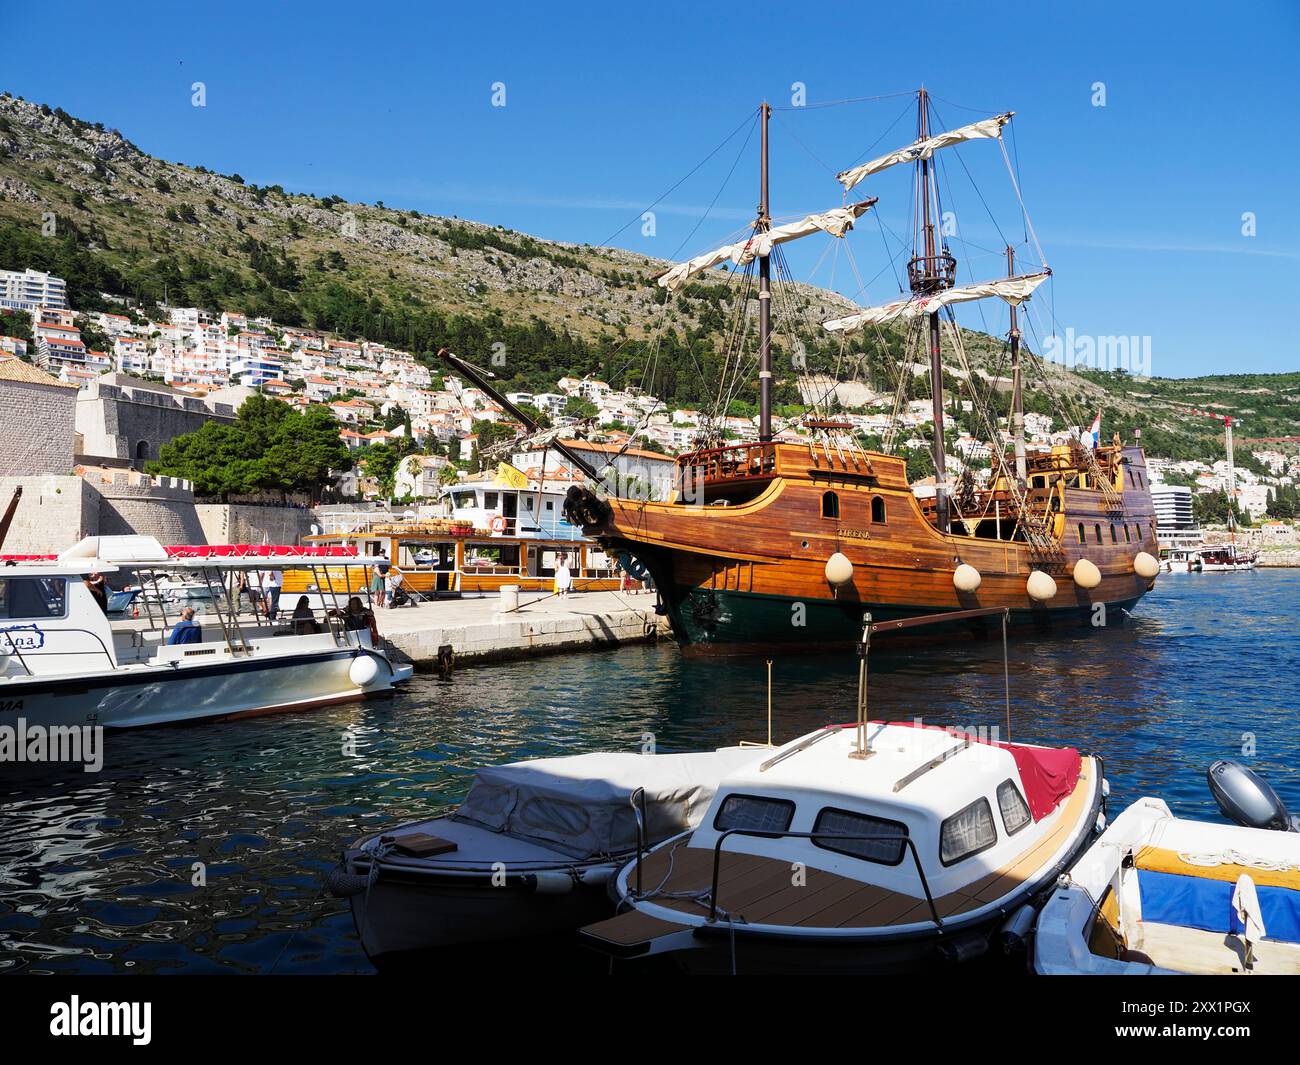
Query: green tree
point(577, 407)
point(269, 448)
point(381, 462)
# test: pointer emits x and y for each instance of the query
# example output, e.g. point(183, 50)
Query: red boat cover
point(1047, 774)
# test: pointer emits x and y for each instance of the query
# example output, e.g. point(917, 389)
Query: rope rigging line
point(752, 119)
point(848, 100)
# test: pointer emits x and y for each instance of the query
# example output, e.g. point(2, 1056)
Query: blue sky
point(1138, 205)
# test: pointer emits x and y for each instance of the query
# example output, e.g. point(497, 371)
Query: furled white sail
point(836, 222)
point(1015, 290)
point(986, 129)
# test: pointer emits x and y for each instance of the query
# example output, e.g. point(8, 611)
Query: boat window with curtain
point(830, 505)
point(846, 823)
point(1015, 811)
point(967, 833)
point(754, 812)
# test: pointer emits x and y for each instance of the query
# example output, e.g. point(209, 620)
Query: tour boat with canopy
point(64, 662)
point(504, 529)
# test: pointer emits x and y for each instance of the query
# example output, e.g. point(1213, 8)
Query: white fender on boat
point(1040, 586)
point(363, 671)
point(966, 578)
point(839, 570)
point(1145, 565)
point(1086, 574)
point(596, 875)
point(1015, 931)
point(550, 882)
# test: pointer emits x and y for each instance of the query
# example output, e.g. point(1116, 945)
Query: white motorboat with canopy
point(867, 847)
point(64, 662)
point(528, 853)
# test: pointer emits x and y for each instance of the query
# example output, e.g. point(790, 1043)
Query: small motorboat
point(1167, 895)
point(63, 662)
point(863, 848)
point(529, 852)
point(820, 859)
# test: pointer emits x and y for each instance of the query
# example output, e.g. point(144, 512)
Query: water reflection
point(98, 872)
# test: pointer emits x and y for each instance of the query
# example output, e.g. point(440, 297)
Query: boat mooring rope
point(1228, 856)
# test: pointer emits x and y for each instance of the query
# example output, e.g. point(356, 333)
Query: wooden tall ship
point(778, 544)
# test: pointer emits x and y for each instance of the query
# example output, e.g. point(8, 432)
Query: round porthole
point(803, 544)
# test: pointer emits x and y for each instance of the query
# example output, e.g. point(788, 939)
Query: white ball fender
point(1145, 565)
point(966, 578)
point(1040, 586)
point(839, 570)
point(363, 671)
point(1086, 574)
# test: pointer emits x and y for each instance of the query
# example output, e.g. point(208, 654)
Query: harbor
point(264, 806)
point(743, 509)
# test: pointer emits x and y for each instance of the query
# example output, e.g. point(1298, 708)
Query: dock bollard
point(509, 598)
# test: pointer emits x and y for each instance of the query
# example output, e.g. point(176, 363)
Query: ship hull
point(752, 576)
point(708, 622)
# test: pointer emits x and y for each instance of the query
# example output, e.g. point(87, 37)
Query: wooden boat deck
point(758, 890)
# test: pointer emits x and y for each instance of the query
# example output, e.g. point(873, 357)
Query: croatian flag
point(1095, 432)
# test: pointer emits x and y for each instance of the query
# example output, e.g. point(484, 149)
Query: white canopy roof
point(1015, 290)
point(986, 129)
point(836, 222)
point(580, 804)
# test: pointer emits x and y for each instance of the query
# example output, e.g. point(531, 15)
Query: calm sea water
point(96, 869)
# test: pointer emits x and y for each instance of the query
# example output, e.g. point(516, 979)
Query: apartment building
point(28, 290)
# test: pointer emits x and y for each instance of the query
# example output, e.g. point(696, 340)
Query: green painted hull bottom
point(730, 622)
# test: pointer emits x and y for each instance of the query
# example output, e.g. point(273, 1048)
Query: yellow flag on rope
point(510, 477)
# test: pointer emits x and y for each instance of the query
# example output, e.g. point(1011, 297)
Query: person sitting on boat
point(186, 630)
point(357, 618)
point(98, 588)
point(304, 622)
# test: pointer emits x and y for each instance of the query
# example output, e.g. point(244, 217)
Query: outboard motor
point(1247, 799)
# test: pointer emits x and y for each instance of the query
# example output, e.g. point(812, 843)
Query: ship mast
point(764, 293)
point(927, 274)
point(1017, 395)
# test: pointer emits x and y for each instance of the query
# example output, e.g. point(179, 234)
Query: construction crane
point(1228, 422)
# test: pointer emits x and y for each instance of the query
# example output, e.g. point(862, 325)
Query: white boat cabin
point(534, 512)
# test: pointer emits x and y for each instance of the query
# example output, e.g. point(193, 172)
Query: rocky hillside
point(129, 225)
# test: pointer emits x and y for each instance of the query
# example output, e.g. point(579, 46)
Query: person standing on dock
point(377, 585)
point(563, 576)
point(394, 584)
point(272, 581)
